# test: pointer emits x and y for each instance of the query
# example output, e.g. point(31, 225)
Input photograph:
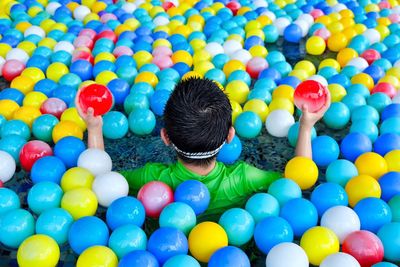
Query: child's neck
point(200, 170)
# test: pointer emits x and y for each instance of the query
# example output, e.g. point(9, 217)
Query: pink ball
point(255, 66)
point(370, 55)
point(11, 69)
point(384, 4)
point(83, 41)
point(323, 33)
point(311, 94)
point(316, 13)
point(364, 246)
point(85, 55)
point(88, 32)
point(394, 18)
point(154, 197)
point(53, 106)
point(162, 51)
point(122, 51)
point(163, 62)
point(108, 16)
point(385, 88)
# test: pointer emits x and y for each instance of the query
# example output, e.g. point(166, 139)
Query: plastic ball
point(365, 126)
point(178, 215)
point(312, 94)
point(325, 150)
point(230, 152)
point(364, 246)
point(16, 225)
point(139, 258)
point(390, 126)
point(76, 177)
point(279, 122)
point(360, 187)
point(248, 124)
point(158, 101)
point(53, 106)
point(257, 106)
point(315, 45)
point(284, 190)
point(72, 115)
point(373, 213)
point(328, 195)
point(38, 250)
point(337, 116)
point(293, 134)
point(96, 96)
point(142, 121)
point(56, 70)
point(7, 166)
point(79, 202)
point(9, 200)
point(287, 255)
point(43, 126)
point(340, 259)
point(32, 151)
point(181, 261)
point(303, 171)
point(237, 91)
point(49, 169)
point(115, 125)
point(318, 243)
point(11, 69)
point(371, 164)
point(68, 150)
point(354, 145)
point(365, 112)
point(96, 161)
point(238, 225)
point(379, 101)
point(340, 172)
point(389, 235)
point(126, 210)
point(66, 128)
point(386, 143)
point(54, 223)
point(292, 33)
point(97, 255)
point(126, 239)
point(262, 205)
point(155, 196)
point(228, 256)
point(109, 187)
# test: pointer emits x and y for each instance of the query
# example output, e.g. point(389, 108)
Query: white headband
point(198, 155)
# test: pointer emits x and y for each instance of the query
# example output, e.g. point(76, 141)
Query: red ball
point(1, 184)
point(312, 94)
point(370, 55)
point(53, 106)
point(96, 96)
point(234, 7)
point(83, 41)
point(385, 88)
point(12, 68)
point(154, 197)
point(32, 151)
point(167, 5)
point(365, 246)
point(255, 66)
point(85, 55)
point(107, 34)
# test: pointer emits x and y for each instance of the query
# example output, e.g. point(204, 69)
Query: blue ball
point(328, 195)
point(15, 127)
point(68, 150)
point(327, 72)
point(9, 200)
point(366, 127)
point(271, 33)
point(292, 81)
point(260, 93)
point(373, 213)
point(390, 185)
point(138, 258)
point(39, 62)
point(386, 143)
point(115, 125)
point(12, 144)
point(142, 121)
point(353, 100)
point(292, 33)
point(48, 169)
point(325, 150)
point(103, 65)
point(340, 172)
point(125, 210)
point(12, 94)
point(272, 231)
point(384, 264)
point(365, 112)
point(87, 232)
point(379, 101)
point(70, 79)
point(283, 67)
point(238, 225)
point(126, 239)
point(248, 124)
point(267, 84)
point(178, 215)
point(355, 144)
point(293, 134)
point(43, 196)
point(390, 111)
point(240, 75)
point(195, 194)
point(337, 116)
point(46, 87)
point(284, 190)
point(230, 152)
point(274, 57)
point(375, 72)
point(262, 205)
point(15, 226)
point(181, 261)
point(167, 242)
point(270, 73)
point(252, 41)
point(42, 127)
point(55, 223)
point(301, 215)
point(229, 256)
point(65, 93)
point(169, 74)
point(158, 101)
point(136, 101)
point(389, 234)
point(358, 89)
point(390, 125)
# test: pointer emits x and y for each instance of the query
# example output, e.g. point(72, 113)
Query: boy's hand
point(92, 122)
point(309, 119)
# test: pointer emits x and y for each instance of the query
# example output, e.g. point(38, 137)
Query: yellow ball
point(345, 55)
point(142, 58)
point(236, 110)
point(326, 20)
point(337, 92)
point(4, 49)
point(337, 41)
point(38, 250)
point(307, 66)
point(104, 56)
point(360, 28)
point(258, 51)
point(349, 33)
point(303, 171)
point(98, 6)
point(148, 77)
point(283, 91)
point(34, 99)
point(23, 84)
point(79, 202)
point(281, 103)
point(197, 44)
point(33, 11)
point(183, 30)
point(329, 62)
point(22, 26)
point(97, 256)
point(72, 6)
point(47, 42)
point(393, 80)
point(76, 177)
point(59, 26)
point(256, 32)
point(47, 24)
point(35, 74)
point(237, 91)
point(384, 21)
point(243, 10)
point(264, 20)
point(393, 160)
point(318, 243)
point(315, 45)
point(132, 23)
point(233, 65)
point(360, 187)
point(90, 17)
point(346, 13)
point(27, 46)
point(27, 114)
point(253, 24)
point(203, 66)
point(257, 106)
point(71, 114)
point(394, 71)
point(383, 31)
point(364, 79)
point(237, 38)
point(161, 42)
point(206, 238)
point(347, 22)
point(8, 108)
point(88, 3)
point(105, 77)
point(372, 8)
point(197, 18)
point(201, 55)
point(56, 70)
point(66, 128)
point(300, 74)
point(335, 27)
point(182, 56)
point(371, 164)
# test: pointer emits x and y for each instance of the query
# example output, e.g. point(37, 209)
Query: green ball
point(42, 127)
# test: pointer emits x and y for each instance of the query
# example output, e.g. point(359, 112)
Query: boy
point(198, 122)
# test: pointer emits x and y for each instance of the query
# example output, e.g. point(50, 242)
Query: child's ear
point(231, 134)
point(164, 137)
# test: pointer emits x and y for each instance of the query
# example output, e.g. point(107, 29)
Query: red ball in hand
point(96, 96)
point(32, 151)
point(154, 197)
point(312, 94)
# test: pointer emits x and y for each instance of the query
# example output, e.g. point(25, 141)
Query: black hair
point(197, 118)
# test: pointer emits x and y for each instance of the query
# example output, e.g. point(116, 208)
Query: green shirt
point(229, 186)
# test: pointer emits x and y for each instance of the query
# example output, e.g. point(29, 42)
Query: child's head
point(198, 120)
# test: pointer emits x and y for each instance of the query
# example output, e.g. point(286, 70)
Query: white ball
point(17, 54)
point(342, 220)
point(307, 18)
point(35, 30)
point(372, 35)
point(95, 160)
point(360, 63)
point(2, 62)
point(64, 46)
point(339, 7)
point(160, 21)
point(340, 259)
point(318, 78)
point(109, 187)
point(81, 12)
point(52, 7)
point(242, 55)
point(7, 166)
point(287, 255)
point(396, 99)
point(270, 15)
point(129, 7)
point(214, 48)
point(260, 3)
point(303, 26)
point(281, 24)
point(231, 46)
point(279, 122)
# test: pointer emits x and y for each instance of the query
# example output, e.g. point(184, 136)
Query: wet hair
point(197, 118)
